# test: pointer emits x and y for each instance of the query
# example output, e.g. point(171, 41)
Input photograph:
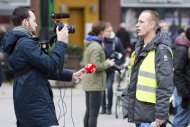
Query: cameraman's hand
point(62, 35)
point(110, 62)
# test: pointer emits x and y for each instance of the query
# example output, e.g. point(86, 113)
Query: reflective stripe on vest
point(147, 83)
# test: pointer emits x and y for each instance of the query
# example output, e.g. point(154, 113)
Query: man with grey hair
point(147, 97)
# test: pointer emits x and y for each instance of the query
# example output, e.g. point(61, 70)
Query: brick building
point(84, 12)
point(110, 10)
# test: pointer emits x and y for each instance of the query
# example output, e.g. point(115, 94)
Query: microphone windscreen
point(90, 68)
point(60, 15)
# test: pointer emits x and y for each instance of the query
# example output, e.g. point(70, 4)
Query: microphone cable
point(61, 99)
point(74, 84)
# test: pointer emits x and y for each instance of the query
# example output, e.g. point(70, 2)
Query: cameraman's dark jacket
point(1, 59)
point(182, 67)
point(138, 111)
point(110, 46)
point(32, 94)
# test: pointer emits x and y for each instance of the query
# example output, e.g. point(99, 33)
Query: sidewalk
point(7, 116)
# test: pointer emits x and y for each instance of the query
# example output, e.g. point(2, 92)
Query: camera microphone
point(60, 15)
point(89, 69)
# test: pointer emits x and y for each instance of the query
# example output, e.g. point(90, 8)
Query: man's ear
point(153, 25)
point(25, 23)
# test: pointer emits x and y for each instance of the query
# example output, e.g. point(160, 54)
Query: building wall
point(6, 9)
point(87, 9)
point(110, 10)
point(64, 5)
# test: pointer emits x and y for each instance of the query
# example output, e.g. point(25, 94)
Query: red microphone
point(89, 69)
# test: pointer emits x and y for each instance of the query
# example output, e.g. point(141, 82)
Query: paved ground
point(7, 116)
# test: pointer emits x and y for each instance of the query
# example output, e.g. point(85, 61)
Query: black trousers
point(93, 102)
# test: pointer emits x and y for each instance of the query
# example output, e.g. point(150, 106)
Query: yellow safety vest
point(146, 82)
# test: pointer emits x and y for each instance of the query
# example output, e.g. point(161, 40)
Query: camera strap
point(24, 70)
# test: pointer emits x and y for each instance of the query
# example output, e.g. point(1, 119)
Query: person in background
point(182, 79)
point(111, 46)
point(31, 67)
point(124, 36)
point(95, 84)
point(173, 29)
point(147, 97)
point(164, 26)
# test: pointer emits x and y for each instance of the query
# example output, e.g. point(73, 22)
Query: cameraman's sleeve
point(1, 75)
point(63, 75)
point(38, 59)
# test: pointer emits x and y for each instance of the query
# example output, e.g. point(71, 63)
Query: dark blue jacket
point(1, 75)
point(32, 94)
point(1, 69)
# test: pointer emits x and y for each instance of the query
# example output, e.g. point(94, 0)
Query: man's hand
point(159, 122)
point(79, 75)
point(62, 35)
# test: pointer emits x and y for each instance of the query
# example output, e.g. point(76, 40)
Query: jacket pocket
point(125, 102)
point(144, 112)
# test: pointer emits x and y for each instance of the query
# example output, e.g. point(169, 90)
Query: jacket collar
point(23, 30)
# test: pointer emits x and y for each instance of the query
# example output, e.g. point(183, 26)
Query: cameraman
point(32, 94)
point(111, 45)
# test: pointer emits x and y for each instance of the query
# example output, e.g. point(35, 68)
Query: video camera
point(57, 20)
point(117, 56)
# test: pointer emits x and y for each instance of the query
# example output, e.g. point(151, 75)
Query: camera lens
point(71, 28)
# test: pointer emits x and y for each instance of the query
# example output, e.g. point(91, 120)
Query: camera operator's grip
point(89, 69)
point(62, 34)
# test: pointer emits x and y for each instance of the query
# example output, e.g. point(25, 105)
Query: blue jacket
point(32, 94)
point(1, 69)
